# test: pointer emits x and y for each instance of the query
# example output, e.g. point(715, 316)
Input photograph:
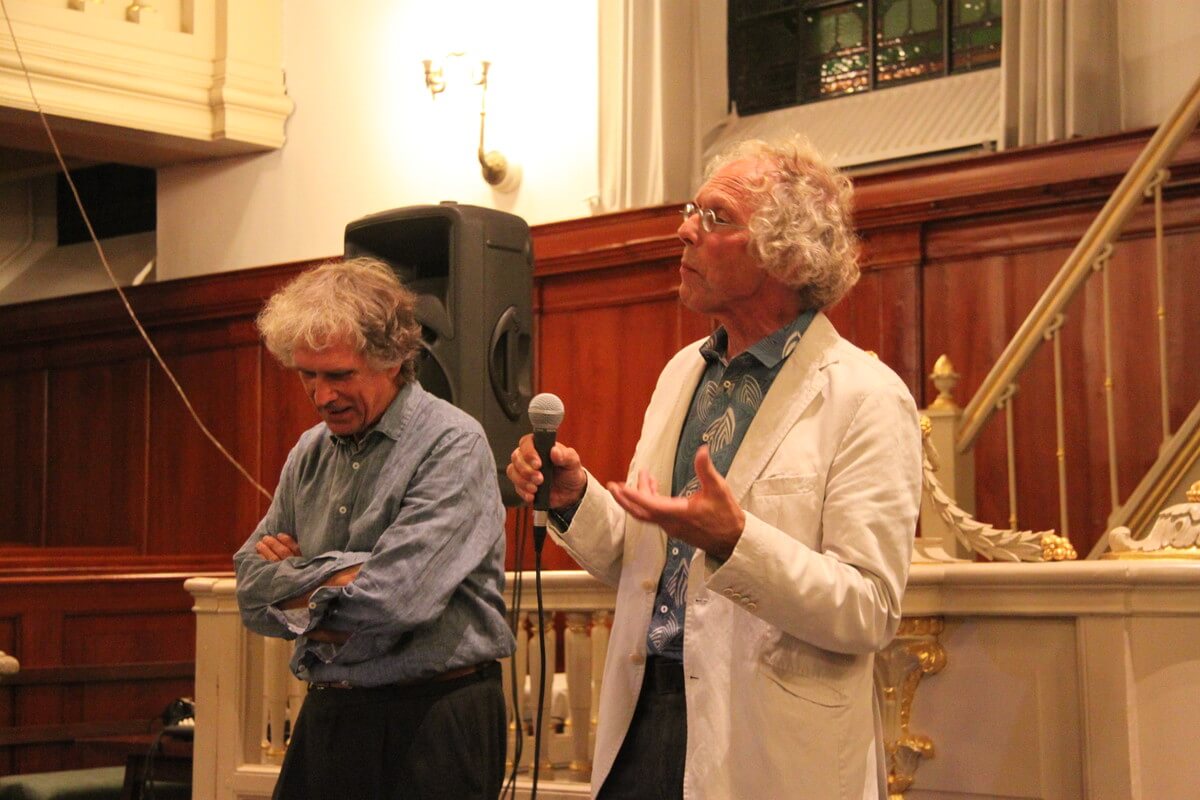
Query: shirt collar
point(391, 424)
point(769, 350)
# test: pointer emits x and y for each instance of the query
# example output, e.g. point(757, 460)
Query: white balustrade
point(249, 699)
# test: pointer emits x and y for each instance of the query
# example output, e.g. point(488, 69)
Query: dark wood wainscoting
point(108, 485)
point(100, 657)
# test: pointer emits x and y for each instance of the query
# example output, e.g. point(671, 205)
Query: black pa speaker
point(472, 271)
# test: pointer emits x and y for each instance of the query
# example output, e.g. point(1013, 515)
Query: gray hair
point(359, 302)
point(803, 229)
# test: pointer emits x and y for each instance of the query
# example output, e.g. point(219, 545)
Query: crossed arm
point(280, 546)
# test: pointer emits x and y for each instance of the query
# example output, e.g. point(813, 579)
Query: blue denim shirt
point(414, 503)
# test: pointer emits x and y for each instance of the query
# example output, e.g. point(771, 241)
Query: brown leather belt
point(449, 675)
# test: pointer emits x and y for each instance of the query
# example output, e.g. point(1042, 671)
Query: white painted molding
point(210, 85)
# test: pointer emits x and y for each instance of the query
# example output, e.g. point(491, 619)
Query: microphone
point(545, 414)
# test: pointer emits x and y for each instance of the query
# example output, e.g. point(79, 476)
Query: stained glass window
point(975, 34)
point(785, 52)
point(835, 51)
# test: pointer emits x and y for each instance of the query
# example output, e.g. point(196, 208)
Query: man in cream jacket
point(760, 545)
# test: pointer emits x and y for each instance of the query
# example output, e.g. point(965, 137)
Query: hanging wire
point(112, 277)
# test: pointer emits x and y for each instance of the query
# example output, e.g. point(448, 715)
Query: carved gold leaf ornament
point(899, 668)
point(993, 543)
point(1175, 533)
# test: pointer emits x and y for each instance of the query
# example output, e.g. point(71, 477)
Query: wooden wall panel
point(137, 636)
point(883, 314)
point(8, 643)
point(22, 456)
point(285, 413)
point(95, 652)
point(198, 502)
point(96, 442)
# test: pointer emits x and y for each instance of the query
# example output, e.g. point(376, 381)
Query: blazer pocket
point(784, 484)
point(805, 687)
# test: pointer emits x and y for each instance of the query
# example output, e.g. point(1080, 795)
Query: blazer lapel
point(799, 381)
point(661, 457)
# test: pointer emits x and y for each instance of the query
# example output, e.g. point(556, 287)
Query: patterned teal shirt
point(726, 400)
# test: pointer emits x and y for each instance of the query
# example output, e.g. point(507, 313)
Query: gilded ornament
point(914, 653)
point(1057, 548)
point(945, 379)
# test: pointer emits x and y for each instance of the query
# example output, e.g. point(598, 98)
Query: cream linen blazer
point(779, 639)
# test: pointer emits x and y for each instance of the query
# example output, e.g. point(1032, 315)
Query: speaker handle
point(506, 334)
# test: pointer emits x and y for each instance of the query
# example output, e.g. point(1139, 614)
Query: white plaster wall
point(1160, 57)
point(366, 135)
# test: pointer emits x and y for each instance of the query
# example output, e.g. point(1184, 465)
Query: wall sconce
point(498, 171)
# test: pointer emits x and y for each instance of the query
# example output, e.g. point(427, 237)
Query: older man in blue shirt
point(382, 554)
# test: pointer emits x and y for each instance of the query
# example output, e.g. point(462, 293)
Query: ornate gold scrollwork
point(913, 654)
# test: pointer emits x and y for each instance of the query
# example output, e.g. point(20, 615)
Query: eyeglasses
point(708, 218)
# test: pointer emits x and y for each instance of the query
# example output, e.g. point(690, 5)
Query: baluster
point(1160, 266)
point(1054, 334)
point(601, 626)
point(579, 692)
point(1005, 403)
point(275, 699)
point(546, 687)
point(520, 670)
point(1101, 265)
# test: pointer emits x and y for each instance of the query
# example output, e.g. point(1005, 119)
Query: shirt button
point(649, 585)
point(637, 659)
point(355, 465)
point(342, 510)
point(662, 609)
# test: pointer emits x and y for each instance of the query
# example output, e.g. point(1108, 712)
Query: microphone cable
point(538, 541)
point(545, 414)
point(521, 529)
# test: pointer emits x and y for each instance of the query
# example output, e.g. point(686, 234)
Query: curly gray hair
point(803, 228)
point(358, 301)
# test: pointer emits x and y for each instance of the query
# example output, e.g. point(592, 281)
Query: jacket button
point(637, 659)
point(752, 606)
point(729, 592)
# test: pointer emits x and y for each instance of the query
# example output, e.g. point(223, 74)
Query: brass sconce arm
point(496, 169)
point(435, 80)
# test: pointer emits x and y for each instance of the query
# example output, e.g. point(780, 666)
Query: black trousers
point(438, 741)
point(649, 765)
